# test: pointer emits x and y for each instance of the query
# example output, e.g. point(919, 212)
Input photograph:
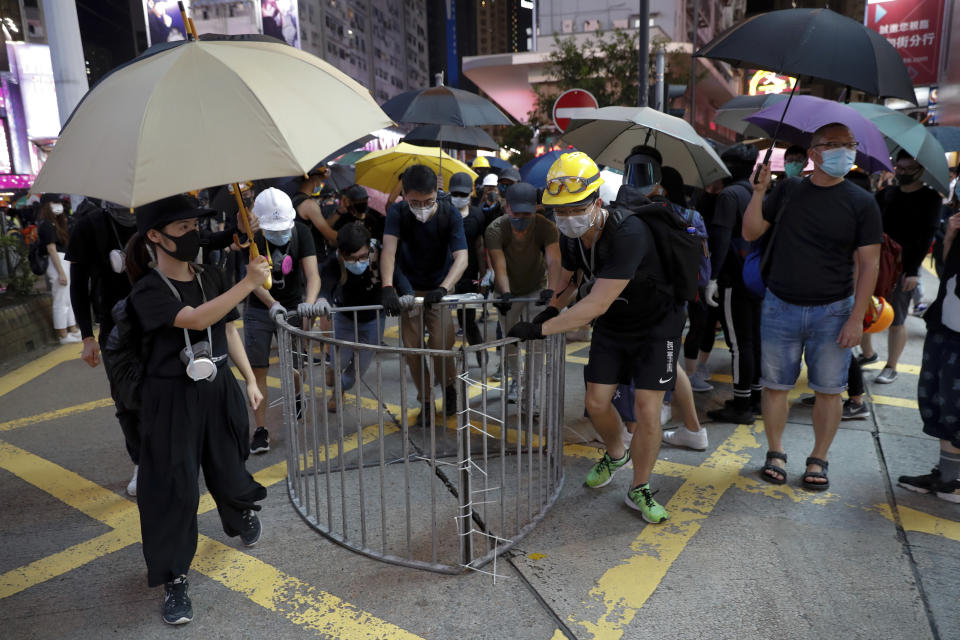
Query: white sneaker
point(699, 384)
point(886, 376)
point(132, 485)
point(71, 338)
point(666, 413)
point(683, 437)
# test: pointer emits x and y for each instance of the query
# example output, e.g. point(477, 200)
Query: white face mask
point(57, 208)
point(423, 213)
point(575, 226)
point(460, 202)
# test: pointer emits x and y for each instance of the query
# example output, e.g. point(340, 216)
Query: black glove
point(390, 300)
point(546, 314)
point(526, 331)
point(503, 303)
point(435, 296)
point(546, 295)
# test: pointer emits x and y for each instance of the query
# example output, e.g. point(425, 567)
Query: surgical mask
point(186, 247)
point(520, 224)
point(57, 208)
point(838, 162)
point(277, 238)
point(460, 201)
point(502, 188)
point(357, 268)
point(423, 213)
point(793, 169)
point(574, 226)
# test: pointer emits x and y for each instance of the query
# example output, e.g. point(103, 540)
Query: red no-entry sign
point(569, 104)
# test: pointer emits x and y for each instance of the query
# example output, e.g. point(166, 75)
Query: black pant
point(697, 313)
point(854, 378)
point(129, 419)
point(187, 426)
point(741, 328)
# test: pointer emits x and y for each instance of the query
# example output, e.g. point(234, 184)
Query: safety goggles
point(572, 184)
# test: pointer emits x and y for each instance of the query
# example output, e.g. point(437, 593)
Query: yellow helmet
point(480, 162)
point(572, 178)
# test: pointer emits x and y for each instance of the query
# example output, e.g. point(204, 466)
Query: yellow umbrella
point(381, 170)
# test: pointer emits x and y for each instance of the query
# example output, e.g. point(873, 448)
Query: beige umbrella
point(199, 113)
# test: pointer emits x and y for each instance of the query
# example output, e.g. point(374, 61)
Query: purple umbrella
point(809, 113)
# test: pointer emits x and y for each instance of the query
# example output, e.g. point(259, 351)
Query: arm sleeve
point(154, 303)
point(458, 237)
point(870, 230)
point(305, 243)
point(218, 279)
point(492, 236)
point(80, 297)
point(721, 231)
point(567, 261)
point(771, 204)
point(329, 277)
point(213, 240)
point(46, 234)
point(550, 233)
point(391, 226)
point(629, 246)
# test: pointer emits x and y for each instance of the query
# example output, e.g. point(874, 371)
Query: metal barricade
point(448, 495)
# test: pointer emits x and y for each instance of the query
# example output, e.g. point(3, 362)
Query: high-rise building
point(452, 30)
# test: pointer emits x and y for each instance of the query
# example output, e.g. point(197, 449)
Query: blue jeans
point(368, 332)
point(792, 332)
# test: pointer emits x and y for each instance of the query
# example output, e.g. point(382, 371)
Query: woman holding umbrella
point(192, 414)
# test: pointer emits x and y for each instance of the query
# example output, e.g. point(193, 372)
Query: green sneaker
point(641, 499)
point(602, 472)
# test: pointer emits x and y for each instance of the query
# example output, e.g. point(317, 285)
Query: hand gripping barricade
point(447, 496)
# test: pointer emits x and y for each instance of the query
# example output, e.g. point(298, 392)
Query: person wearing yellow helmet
point(636, 336)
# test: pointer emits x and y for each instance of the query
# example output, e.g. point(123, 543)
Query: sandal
point(769, 466)
point(816, 486)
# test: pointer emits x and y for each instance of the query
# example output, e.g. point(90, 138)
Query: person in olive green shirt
point(524, 248)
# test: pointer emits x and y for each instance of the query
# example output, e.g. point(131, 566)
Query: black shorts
point(648, 363)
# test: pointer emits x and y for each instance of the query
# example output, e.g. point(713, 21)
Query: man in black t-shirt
point(353, 208)
point(296, 281)
point(636, 336)
point(423, 239)
point(911, 212)
point(813, 309)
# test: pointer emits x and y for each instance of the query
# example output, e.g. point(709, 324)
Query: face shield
point(643, 172)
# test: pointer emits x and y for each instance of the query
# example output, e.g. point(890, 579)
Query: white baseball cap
point(490, 180)
point(274, 210)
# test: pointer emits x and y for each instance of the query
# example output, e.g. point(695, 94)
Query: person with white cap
point(296, 284)
point(490, 204)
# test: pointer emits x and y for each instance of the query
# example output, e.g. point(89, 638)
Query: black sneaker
point(260, 443)
point(251, 528)
point(921, 484)
point(177, 608)
point(450, 400)
point(808, 401)
point(862, 359)
point(731, 415)
point(755, 407)
point(949, 491)
point(855, 410)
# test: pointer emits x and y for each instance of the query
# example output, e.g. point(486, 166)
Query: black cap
point(522, 197)
point(510, 174)
point(461, 183)
point(160, 213)
point(356, 193)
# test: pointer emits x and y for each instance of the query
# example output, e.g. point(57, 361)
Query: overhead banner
point(914, 28)
point(164, 22)
point(281, 20)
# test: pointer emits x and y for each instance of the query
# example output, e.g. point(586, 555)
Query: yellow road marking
point(895, 402)
point(38, 367)
point(911, 369)
point(56, 414)
point(559, 635)
point(913, 520)
point(623, 589)
point(781, 491)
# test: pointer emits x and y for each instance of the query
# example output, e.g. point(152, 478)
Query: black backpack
point(125, 355)
point(38, 257)
point(678, 248)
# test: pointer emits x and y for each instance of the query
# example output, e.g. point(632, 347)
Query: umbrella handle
point(254, 251)
point(776, 133)
point(187, 22)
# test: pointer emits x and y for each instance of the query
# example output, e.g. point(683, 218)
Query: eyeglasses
point(852, 146)
point(422, 204)
point(573, 184)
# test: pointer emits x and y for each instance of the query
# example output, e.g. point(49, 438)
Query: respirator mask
point(198, 359)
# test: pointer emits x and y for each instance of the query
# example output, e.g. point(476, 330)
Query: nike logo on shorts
point(662, 381)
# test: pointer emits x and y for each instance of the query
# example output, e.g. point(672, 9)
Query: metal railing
point(451, 492)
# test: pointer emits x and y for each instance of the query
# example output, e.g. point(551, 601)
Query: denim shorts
point(790, 332)
point(258, 332)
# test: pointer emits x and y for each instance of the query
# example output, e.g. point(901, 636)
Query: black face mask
point(903, 179)
point(358, 209)
point(186, 247)
point(490, 196)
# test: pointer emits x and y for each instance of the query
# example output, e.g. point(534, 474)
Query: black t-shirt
point(911, 219)
point(320, 247)
point(725, 231)
point(287, 289)
point(355, 290)
point(811, 261)
point(944, 313)
point(644, 309)
point(372, 220)
point(47, 234)
point(473, 226)
point(156, 308)
point(425, 249)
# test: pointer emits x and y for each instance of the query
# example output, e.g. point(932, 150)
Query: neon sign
point(767, 82)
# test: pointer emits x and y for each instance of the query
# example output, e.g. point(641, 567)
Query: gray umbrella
point(451, 137)
point(731, 115)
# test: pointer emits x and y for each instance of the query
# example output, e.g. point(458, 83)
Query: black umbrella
point(948, 137)
point(466, 138)
point(443, 105)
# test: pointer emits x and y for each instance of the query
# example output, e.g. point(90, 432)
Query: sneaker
point(513, 393)
point(699, 384)
point(886, 376)
point(450, 400)
point(71, 338)
point(920, 309)
point(683, 437)
point(732, 415)
point(260, 443)
point(641, 499)
point(132, 485)
point(921, 484)
point(666, 414)
point(702, 371)
point(177, 608)
point(251, 528)
point(949, 491)
point(862, 359)
point(497, 375)
point(855, 410)
point(602, 472)
point(756, 408)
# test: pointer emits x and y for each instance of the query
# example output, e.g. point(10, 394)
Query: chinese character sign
point(914, 27)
